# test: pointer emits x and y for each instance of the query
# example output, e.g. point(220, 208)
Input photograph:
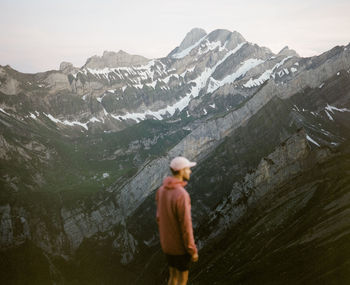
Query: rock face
point(293, 218)
point(285, 162)
point(66, 66)
point(58, 82)
point(6, 225)
point(191, 38)
point(288, 52)
point(114, 59)
point(9, 85)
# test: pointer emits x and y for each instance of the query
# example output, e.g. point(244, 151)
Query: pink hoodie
point(174, 218)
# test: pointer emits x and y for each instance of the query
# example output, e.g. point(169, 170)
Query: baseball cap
point(181, 162)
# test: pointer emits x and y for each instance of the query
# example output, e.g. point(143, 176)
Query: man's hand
point(194, 257)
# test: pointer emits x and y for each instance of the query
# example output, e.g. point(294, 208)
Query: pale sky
point(37, 35)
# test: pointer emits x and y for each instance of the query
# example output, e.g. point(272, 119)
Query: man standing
point(174, 221)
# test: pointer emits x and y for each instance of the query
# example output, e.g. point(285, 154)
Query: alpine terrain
point(83, 150)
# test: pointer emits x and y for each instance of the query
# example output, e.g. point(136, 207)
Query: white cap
point(181, 162)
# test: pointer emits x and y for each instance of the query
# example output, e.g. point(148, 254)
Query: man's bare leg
point(177, 277)
point(183, 277)
point(173, 276)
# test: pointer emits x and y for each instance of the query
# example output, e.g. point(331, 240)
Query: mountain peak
point(196, 34)
point(191, 38)
point(224, 35)
point(114, 59)
point(65, 65)
point(107, 53)
point(289, 52)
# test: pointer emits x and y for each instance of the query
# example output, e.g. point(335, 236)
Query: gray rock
point(9, 85)
point(114, 59)
point(66, 65)
point(191, 38)
point(6, 230)
point(288, 52)
point(286, 161)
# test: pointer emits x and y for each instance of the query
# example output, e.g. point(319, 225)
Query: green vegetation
point(77, 167)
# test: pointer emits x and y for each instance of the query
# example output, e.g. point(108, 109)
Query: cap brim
point(192, 164)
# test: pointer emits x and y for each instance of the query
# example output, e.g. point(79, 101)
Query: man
point(174, 221)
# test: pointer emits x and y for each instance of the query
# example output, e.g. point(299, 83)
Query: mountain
point(84, 149)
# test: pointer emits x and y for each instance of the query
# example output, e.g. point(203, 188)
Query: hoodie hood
point(171, 182)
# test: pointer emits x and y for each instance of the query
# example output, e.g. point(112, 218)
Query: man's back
point(174, 218)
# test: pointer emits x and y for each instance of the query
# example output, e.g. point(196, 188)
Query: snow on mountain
point(265, 76)
point(186, 51)
point(129, 89)
point(242, 70)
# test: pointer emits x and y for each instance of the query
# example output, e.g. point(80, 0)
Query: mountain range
point(84, 149)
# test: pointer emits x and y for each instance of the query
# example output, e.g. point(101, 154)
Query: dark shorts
point(180, 262)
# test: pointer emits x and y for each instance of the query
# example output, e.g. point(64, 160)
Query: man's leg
point(173, 276)
point(177, 277)
point(183, 277)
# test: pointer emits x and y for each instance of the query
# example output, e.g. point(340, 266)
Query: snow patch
point(141, 72)
point(94, 119)
point(139, 116)
point(186, 51)
point(153, 84)
point(321, 85)
point(329, 116)
point(187, 70)
point(242, 70)
point(293, 69)
point(332, 108)
point(212, 105)
point(99, 99)
point(66, 122)
point(311, 140)
point(207, 46)
point(138, 86)
point(2, 110)
point(265, 76)
point(280, 73)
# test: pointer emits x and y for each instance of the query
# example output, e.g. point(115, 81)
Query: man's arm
point(185, 221)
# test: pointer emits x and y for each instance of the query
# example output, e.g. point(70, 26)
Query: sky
point(37, 35)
